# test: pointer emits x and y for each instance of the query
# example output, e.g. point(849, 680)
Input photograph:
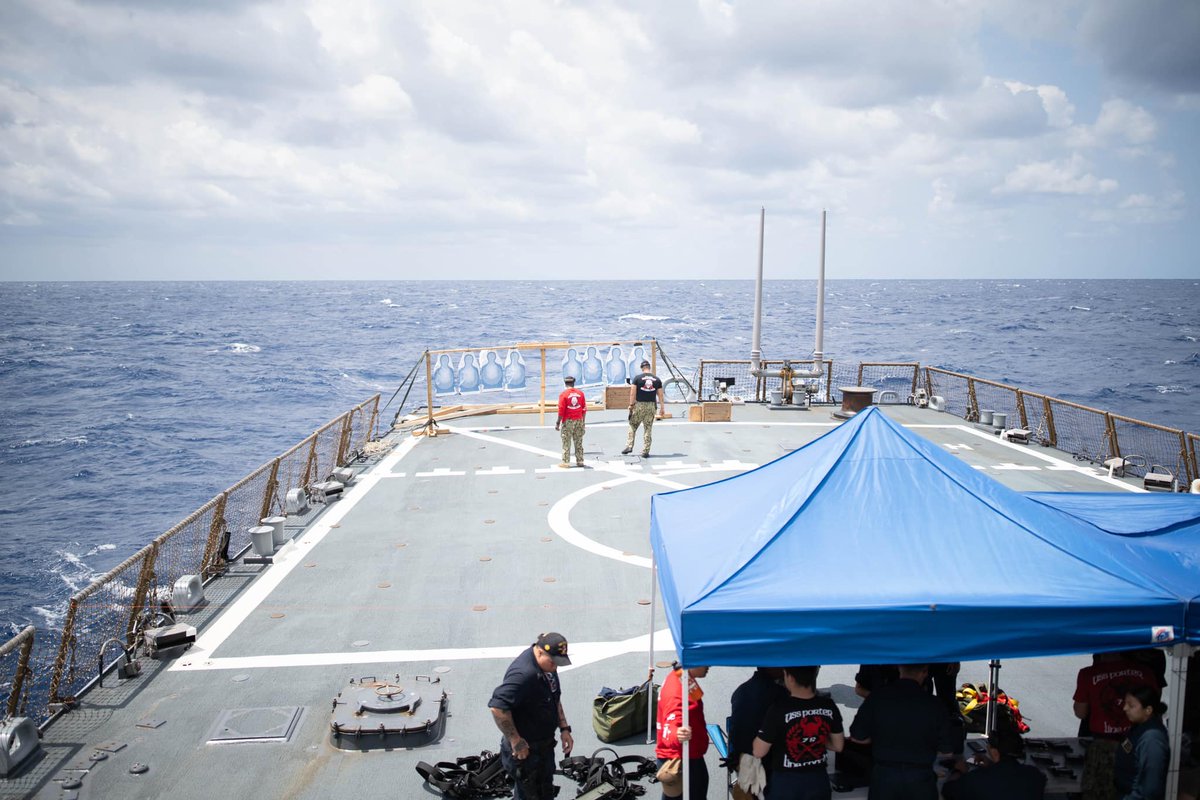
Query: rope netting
point(107, 614)
point(1081, 431)
point(896, 382)
point(1144, 447)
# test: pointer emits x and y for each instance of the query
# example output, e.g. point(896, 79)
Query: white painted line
point(559, 520)
point(224, 625)
point(1022, 467)
point(582, 654)
point(734, 464)
point(677, 464)
point(440, 472)
point(394, 475)
point(500, 471)
point(956, 447)
point(1058, 462)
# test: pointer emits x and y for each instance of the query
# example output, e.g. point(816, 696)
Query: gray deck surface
point(453, 553)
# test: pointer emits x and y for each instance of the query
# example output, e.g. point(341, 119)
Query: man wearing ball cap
point(527, 707)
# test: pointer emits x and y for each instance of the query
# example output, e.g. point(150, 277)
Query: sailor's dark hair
point(568, 379)
point(1148, 696)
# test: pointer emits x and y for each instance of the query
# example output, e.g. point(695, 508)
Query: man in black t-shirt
point(1006, 778)
point(644, 390)
point(907, 728)
point(527, 708)
point(796, 733)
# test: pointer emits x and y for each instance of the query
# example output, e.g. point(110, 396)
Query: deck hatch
point(266, 724)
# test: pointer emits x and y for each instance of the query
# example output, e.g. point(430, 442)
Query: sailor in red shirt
point(672, 733)
point(572, 407)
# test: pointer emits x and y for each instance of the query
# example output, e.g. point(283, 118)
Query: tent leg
point(989, 724)
point(1177, 684)
point(650, 656)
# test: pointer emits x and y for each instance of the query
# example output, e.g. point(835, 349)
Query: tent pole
point(1178, 690)
point(650, 655)
point(993, 678)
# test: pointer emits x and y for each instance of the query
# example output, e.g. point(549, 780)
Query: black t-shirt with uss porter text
point(798, 730)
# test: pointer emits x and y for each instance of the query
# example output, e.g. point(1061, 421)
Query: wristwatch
point(565, 729)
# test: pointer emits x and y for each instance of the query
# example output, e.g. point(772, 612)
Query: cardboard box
point(695, 414)
point(616, 396)
point(718, 412)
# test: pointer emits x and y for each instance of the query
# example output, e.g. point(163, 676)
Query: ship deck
point(445, 558)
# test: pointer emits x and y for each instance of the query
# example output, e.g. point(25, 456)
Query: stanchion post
point(542, 400)
point(429, 390)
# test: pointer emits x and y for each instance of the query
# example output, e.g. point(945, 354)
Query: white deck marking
point(734, 464)
point(956, 447)
point(560, 522)
point(394, 475)
point(439, 472)
point(214, 634)
point(582, 654)
point(1010, 466)
point(1059, 463)
point(677, 464)
point(500, 471)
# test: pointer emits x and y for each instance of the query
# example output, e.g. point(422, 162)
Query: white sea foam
point(643, 317)
point(387, 301)
point(242, 347)
point(1079, 308)
point(1171, 389)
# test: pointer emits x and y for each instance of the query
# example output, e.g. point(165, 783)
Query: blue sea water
point(128, 405)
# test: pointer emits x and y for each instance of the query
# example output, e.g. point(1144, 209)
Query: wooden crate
point(695, 414)
point(718, 412)
point(616, 396)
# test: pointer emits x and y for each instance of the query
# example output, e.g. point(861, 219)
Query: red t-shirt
point(1102, 686)
point(572, 404)
point(670, 718)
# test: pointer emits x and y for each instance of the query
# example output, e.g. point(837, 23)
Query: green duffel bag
point(620, 713)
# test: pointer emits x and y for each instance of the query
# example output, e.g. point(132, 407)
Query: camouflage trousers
point(642, 414)
point(572, 431)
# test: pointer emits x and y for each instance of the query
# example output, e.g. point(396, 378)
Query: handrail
point(107, 608)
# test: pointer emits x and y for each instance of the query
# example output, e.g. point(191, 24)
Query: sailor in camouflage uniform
point(572, 407)
point(644, 391)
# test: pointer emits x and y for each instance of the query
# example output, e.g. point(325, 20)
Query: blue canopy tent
point(873, 544)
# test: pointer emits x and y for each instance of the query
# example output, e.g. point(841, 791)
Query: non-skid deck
point(445, 559)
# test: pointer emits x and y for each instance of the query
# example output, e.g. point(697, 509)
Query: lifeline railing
point(111, 606)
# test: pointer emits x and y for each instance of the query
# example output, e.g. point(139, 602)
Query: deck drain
point(543, 503)
point(497, 491)
point(268, 724)
point(489, 522)
point(360, 643)
point(338, 525)
point(549, 580)
point(310, 565)
point(485, 558)
point(479, 608)
point(441, 670)
point(402, 544)
point(547, 539)
point(137, 768)
point(644, 602)
point(277, 615)
point(241, 677)
point(386, 585)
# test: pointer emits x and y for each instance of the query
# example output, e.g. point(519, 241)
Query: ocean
point(128, 405)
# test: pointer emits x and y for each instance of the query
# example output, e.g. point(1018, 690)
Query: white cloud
point(379, 95)
point(1067, 177)
point(426, 122)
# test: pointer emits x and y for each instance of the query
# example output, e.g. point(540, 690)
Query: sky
point(401, 140)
